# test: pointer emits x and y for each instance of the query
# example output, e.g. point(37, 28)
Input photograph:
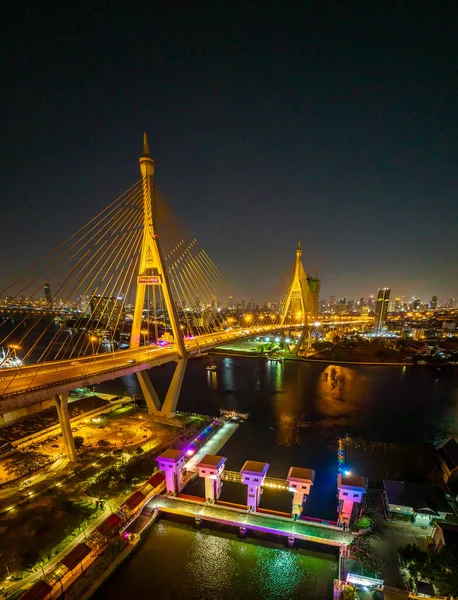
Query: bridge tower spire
point(152, 272)
point(297, 298)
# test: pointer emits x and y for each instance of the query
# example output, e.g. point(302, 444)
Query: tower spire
point(145, 146)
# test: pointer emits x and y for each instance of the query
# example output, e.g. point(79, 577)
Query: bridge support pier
point(173, 393)
point(171, 399)
point(149, 393)
point(61, 401)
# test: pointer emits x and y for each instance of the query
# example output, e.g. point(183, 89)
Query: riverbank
point(328, 361)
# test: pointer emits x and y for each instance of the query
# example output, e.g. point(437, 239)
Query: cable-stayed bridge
point(130, 290)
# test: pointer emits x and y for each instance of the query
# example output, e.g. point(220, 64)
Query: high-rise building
point(381, 309)
point(416, 304)
point(452, 303)
point(434, 302)
point(106, 310)
point(48, 295)
point(342, 306)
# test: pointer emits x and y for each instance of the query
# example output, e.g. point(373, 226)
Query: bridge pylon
point(302, 295)
point(152, 272)
point(301, 304)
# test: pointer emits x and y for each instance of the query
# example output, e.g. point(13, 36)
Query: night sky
point(335, 123)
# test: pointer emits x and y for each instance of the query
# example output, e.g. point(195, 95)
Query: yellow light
point(93, 338)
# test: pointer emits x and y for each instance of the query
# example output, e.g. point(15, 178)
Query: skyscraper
point(381, 308)
point(48, 296)
point(434, 302)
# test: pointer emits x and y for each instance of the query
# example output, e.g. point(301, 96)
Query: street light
point(144, 332)
point(93, 339)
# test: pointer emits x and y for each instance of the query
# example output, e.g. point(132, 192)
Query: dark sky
point(335, 123)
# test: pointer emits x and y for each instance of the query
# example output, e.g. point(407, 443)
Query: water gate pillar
point(211, 467)
point(171, 462)
point(352, 487)
point(300, 481)
point(253, 475)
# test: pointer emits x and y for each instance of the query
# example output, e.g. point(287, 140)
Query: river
point(297, 411)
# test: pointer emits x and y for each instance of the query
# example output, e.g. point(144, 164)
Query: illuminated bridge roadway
point(31, 384)
point(34, 383)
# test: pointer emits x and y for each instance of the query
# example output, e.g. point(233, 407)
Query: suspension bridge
point(130, 290)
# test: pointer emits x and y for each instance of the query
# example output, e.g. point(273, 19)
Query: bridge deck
point(32, 383)
point(275, 525)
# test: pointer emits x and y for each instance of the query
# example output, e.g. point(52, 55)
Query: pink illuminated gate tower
point(253, 475)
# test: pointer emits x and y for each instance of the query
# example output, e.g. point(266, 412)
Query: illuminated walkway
point(263, 523)
point(214, 445)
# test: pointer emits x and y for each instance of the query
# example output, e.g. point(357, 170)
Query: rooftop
point(171, 455)
point(134, 500)
point(450, 532)
point(302, 474)
point(38, 591)
point(420, 497)
point(156, 479)
point(109, 524)
point(75, 556)
point(254, 467)
point(212, 461)
point(449, 453)
point(352, 481)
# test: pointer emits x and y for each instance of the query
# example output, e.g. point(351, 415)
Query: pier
point(213, 445)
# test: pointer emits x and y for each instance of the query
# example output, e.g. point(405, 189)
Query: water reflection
point(176, 561)
point(212, 380)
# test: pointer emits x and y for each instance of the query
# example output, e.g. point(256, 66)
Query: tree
point(22, 463)
point(79, 442)
point(103, 443)
point(364, 522)
point(349, 593)
point(362, 548)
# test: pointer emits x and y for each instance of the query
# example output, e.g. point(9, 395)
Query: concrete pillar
point(173, 393)
point(300, 480)
point(211, 467)
point(172, 463)
point(253, 475)
point(149, 393)
point(61, 401)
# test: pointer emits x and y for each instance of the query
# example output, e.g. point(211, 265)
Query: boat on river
point(232, 414)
